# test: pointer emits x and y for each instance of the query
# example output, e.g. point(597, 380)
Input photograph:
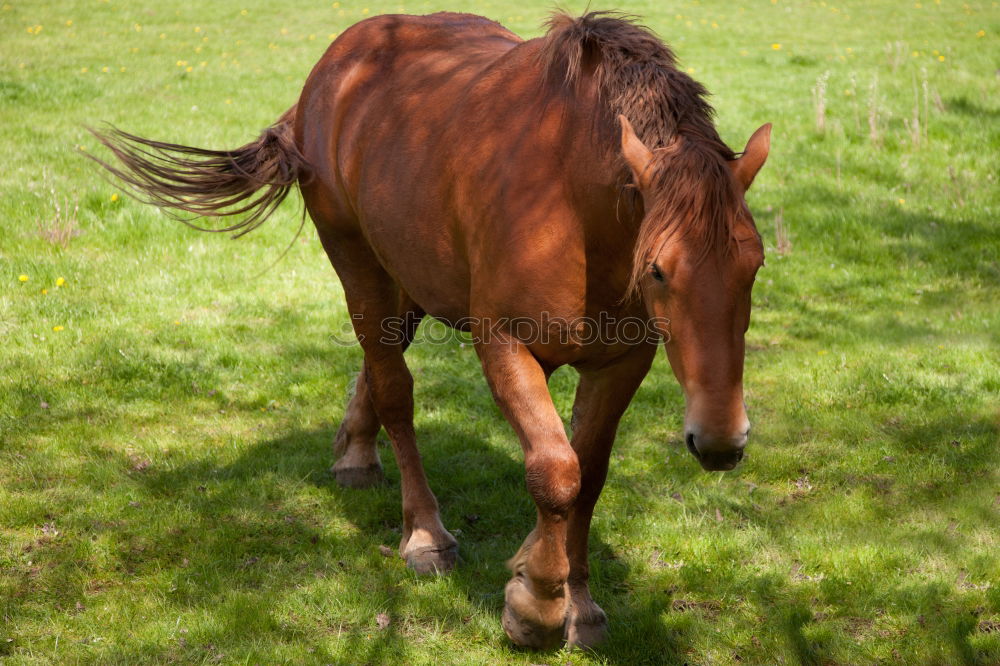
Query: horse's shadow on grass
point(266, 544)
point(244, 538)
point(250, 534)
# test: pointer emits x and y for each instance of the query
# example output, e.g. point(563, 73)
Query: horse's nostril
point(739, 455)
point(689, 440)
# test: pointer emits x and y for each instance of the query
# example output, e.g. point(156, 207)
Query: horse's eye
point(656, 273)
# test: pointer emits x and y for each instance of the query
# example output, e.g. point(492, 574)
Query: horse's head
point(696, 259)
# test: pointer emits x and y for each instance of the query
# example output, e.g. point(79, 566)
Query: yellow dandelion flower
point(163, 35)
point(364, 11)
point(940, 58)
point(332, 36)
point(60, 281)
point(312, 37)
point(177, 322)
point(229, 101)
point(137, 27)
point(243, 12)
point(981, 33)
point(44, 291)
point(189, 69)
point(776, 46)
point(744, 52)
point(84, 70)
point(114, 197)
point(104, 69)
point(121, 69)
point(902, 201)
point(69, 23)
point(690, 70)
point(57, 328)
point(197, 28)
point(284, 31)
point(336, 5)
point(22, 278)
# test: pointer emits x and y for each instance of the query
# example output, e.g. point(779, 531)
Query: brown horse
point(538, 194)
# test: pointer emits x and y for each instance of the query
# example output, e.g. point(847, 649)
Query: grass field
point(167, 401)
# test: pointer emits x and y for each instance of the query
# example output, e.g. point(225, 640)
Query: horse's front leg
point(601, 398)
point(536, 598)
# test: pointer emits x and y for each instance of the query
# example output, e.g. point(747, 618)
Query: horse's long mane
point(636, 75)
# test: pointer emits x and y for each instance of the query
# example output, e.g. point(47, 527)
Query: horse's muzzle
point(717, 455)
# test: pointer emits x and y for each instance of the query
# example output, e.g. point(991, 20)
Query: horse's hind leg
point(426, 545)
point(373, 299)
point(357, 462)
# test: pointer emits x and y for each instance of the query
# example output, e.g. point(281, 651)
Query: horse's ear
point(636, 154)
point(746, 166)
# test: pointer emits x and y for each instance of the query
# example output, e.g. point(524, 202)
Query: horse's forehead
point(694, 256)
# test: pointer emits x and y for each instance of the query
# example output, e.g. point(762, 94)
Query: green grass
point(164, 493)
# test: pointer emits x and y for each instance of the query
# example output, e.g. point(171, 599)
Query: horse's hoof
point(531, 622)
point(586, 630)
point(368, 476)
point(432, 560)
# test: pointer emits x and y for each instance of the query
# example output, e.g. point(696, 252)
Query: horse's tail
point(253, 179)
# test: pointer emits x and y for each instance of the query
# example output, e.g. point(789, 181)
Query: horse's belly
point(427, 265)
